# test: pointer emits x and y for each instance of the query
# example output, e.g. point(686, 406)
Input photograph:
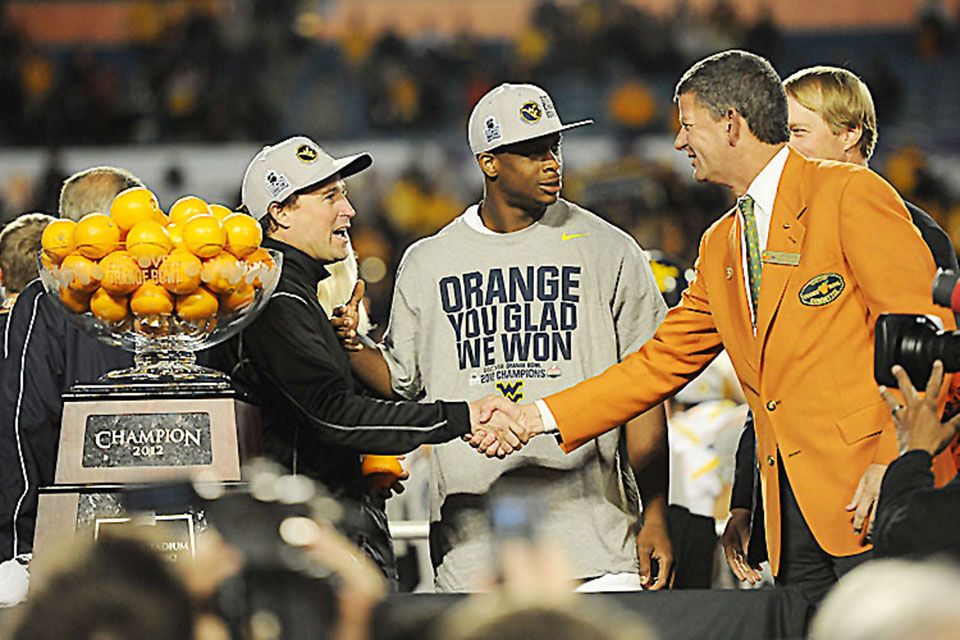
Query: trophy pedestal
point(116, 438)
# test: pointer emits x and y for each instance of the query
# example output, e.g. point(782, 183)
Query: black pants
point(803, 563)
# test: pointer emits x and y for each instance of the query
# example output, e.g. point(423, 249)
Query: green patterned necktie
point(754, 266)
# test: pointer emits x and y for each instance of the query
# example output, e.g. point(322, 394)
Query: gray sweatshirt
point(524, 315)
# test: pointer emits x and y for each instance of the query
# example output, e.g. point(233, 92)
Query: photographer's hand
point(917, 422)
point(362, 585)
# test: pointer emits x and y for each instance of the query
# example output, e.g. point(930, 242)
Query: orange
point(255, 265)
point(220, 212)
point(121, 273)
point(204, 236)
point(80, 273)
point(57, 239)
point(151, 299)
point(222, 273)
point(96, 235)
point(239, 298)
point(134, 205)
point(76, 301)
point(148, 242)
point(244, 234)
point(180, 272)
point(176, 234)
point(381, 471)
point(196, 306)
point(107, 306)
point(187, 207)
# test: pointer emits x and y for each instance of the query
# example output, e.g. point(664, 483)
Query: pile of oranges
point(139, 264)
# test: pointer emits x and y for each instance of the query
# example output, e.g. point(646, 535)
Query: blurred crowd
point(185, 77)
point(184, 74)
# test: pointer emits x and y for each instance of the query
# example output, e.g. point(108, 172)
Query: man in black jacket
point(290, 360)
point(831, 117)
point(44, 355)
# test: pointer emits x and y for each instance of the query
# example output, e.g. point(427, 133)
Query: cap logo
point(276, 183)
point(306, 154)
point(491, 130)
point(530, 112)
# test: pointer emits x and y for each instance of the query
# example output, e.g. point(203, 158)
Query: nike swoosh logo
point(571, 236)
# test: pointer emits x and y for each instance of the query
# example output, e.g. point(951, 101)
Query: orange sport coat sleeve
point(684, 344)
point(872, 210)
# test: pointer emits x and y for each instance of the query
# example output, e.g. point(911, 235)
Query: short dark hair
point(115, 588)
point(19, 244)
point(742, 81)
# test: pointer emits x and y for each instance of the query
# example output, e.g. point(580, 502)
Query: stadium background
point(184, 93)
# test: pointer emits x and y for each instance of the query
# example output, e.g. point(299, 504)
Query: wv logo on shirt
point(512, 391)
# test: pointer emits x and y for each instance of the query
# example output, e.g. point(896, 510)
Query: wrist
point(654, 514)
point(533, 421)
point(740, 513)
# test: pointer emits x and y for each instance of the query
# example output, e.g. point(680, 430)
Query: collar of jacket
point(298, 265)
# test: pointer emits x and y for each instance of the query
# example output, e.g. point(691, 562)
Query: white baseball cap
point(513, 113)
point(289, 166)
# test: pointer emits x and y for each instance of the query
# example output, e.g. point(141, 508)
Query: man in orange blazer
point(790, 282)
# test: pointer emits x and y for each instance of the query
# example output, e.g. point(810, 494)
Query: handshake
point(500, 427)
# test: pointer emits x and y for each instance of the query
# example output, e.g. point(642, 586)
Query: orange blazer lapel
point(784, 244)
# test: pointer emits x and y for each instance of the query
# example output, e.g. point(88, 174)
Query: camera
point(281, 587)
point(915, 342)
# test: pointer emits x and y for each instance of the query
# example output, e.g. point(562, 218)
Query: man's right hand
point(500, 427)
point(735, 538)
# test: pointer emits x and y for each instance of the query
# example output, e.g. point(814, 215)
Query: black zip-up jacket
point(44, 355)
point(314, 421)
point(914, 518)
point(290, 362)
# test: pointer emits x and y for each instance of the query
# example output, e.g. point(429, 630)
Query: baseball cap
point(289, 166)
point(513, 113)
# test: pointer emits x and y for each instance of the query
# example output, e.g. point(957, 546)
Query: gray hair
point(891, 599)
point(19, 244)
point(92, 190)
point(744, 82)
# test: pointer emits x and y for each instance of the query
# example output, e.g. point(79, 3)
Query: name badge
point(781, 257)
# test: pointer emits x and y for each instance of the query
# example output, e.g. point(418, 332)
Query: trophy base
point(78, 513)
point(85, 512)
point(114, 439)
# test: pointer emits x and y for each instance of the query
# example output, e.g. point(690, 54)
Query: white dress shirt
point(763, 190)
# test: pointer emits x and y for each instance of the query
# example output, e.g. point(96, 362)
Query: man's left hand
point(346, 319)
point(396, 488)
point(653, 543)
point(865, 497)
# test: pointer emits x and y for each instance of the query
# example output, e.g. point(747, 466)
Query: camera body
point(915, 342)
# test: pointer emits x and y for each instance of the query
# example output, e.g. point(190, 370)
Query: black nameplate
point(147, 440)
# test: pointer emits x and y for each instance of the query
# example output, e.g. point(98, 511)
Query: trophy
point(163, 289)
